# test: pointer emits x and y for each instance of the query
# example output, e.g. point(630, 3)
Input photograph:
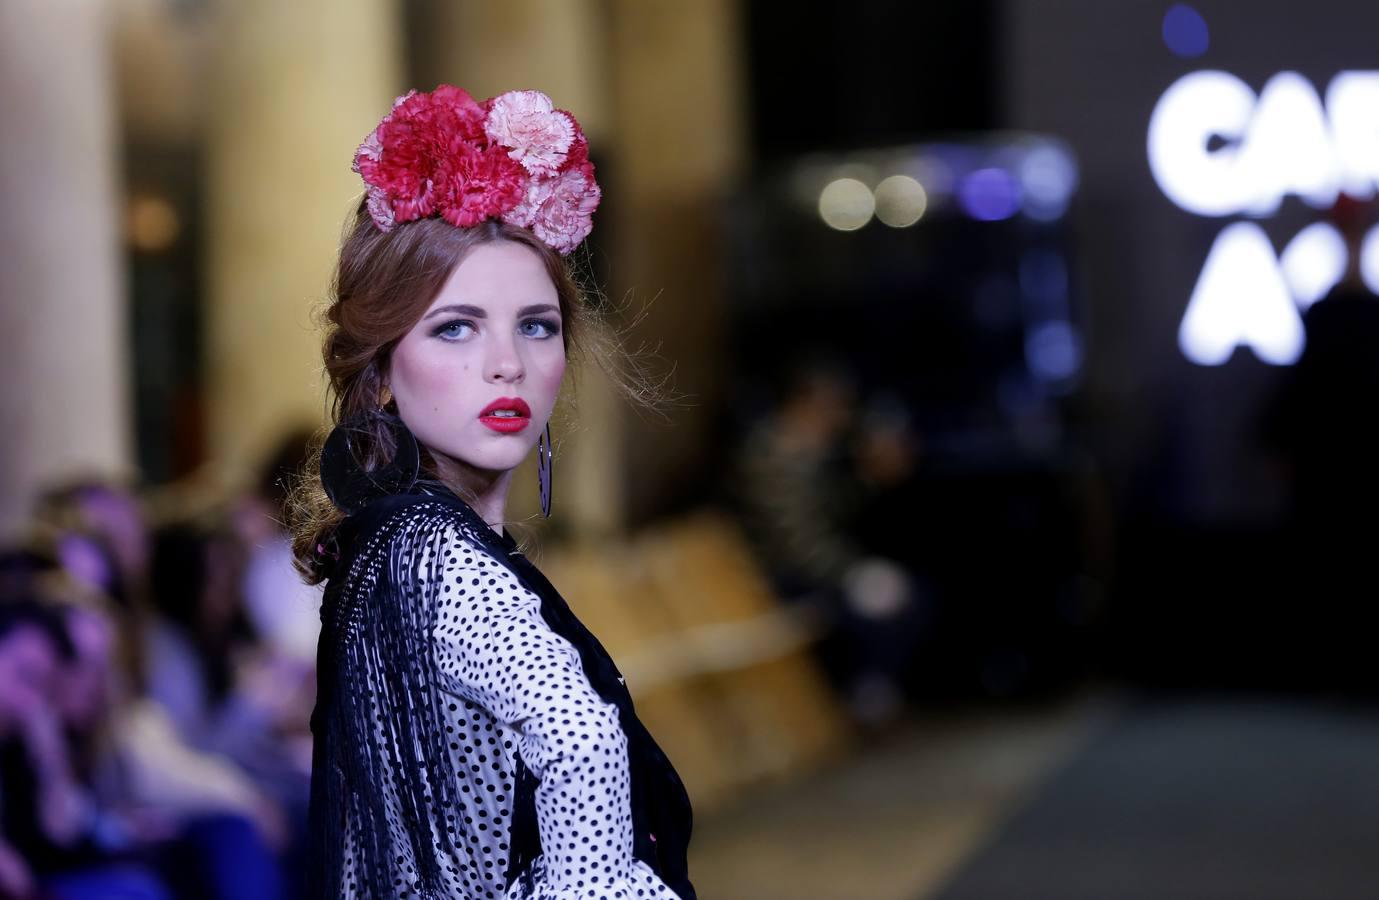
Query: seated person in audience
point(39, 798)
point(105, 777)
point(225, 691)
point(798, 481)
point(108, 782)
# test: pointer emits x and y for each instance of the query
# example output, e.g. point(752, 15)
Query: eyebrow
point(478, 312)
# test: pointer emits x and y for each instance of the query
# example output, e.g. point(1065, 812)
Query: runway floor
point(1103, 797)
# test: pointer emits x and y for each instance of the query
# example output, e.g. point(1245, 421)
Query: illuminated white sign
point(1246, 296)
point(1241, 298)
point(1313, 262)
point(1217, 149)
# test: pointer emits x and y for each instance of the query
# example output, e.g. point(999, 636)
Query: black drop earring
point(543, 469)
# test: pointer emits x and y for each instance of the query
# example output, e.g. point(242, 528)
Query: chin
point(497, 464)
point(496, 460)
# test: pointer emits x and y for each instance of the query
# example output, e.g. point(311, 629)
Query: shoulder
point(403, 520)
point(392, 533)
point(433, 539)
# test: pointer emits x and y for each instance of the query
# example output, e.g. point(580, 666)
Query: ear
point(385, 390)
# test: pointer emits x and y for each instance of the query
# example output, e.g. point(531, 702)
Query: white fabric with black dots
point(517, 686)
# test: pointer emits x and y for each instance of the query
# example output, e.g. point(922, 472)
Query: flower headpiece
point(513, 157)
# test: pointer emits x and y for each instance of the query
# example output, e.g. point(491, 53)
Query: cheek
point(556, 371)
point(551, 372)
point(427, 377)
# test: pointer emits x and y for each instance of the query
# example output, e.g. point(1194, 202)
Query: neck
point(485, 491)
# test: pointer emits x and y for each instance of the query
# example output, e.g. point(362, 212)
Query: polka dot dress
point(506, 686)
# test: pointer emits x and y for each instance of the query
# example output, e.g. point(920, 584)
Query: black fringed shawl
point(375, 641)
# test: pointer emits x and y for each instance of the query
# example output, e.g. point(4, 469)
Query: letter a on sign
point(1241, 298)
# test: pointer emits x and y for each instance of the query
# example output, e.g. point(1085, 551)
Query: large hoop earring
point(543, 469)
point(348, 484)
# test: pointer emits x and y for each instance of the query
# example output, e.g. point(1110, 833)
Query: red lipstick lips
point(506, 415)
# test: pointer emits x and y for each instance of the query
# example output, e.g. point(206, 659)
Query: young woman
point(472, 738)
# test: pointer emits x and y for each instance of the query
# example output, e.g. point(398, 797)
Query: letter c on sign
point(1196, 108)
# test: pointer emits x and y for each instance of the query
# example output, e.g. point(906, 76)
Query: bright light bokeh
point(846, 204)
point(1198, 107)
point(990, 194)
point(1241, 299)
point(1369, 260)
point(900, 201)
point(1048, 178)
point(1185, 31)
point(1054, 351)
point(1352, 101)
point(1288, 149)
point(1313, 262)
point(1215, 149)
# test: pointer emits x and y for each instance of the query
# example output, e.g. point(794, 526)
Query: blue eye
point(544, 328)
point(449, 330)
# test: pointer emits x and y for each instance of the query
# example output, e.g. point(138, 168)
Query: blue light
point(1053, 351)
point(1185, 31)
point(1048, 177)
point(990, 195)
point(1044, 278)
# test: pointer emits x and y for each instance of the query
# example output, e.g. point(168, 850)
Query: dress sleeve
point(493, 648)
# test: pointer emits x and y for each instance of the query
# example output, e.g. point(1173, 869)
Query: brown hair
point(383, 284)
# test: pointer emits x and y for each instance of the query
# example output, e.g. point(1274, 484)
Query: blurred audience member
point(101, 777)
point(111, 512)
point(802, 473)
point(101, 536)
point(1323, 423)
point(225, 692)
point(45, 812)
point(190, 816)
point(285, 610)
point(196, 634)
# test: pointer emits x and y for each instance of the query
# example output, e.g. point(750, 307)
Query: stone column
point(66, 404)
point(558, 47)
point(295, 88)
point(680, 130)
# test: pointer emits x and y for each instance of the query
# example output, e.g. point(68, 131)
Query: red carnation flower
point(454, 112)
point(578, 157)
point(480, 184)
point(445, 153)
point(407, 156)
point(404, 166)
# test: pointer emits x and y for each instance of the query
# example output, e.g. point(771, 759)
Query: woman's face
point(28, 669)
point(477, 377)
point(84, 685)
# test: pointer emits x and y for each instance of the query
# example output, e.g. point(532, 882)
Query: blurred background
point(1010, 533)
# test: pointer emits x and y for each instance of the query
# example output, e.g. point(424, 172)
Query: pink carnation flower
point(578, 157)
point(536, 134)
point(380, 209)
point(371, 149)
point(513, 157)
point(559, 210)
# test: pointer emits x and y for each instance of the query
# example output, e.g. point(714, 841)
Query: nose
point(503, 361)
